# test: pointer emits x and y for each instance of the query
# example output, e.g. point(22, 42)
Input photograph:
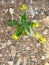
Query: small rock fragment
point(0, 55)
point(25, 61)
point(43, 57)
point(10, 62)
point(45, 32)
point(27, 48)
point(46, 63)
point(13, 50)
point(31, 11)
point(11, 10)
point(18, 62)
point(8, 42)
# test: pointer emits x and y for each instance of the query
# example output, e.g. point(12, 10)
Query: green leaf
point(28, 24)
point(14, 23)
point(23, 18)
point(19, 31)
point(28, 29)
point(25, 33)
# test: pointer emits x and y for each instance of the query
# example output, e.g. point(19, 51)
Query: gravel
point(27, 50)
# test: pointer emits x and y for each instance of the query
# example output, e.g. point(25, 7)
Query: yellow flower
point(36, 25)
point(38, 35)
point(43, 40)
point(15, 37)
point(24, 7)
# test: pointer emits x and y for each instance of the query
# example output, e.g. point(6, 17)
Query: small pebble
point(42, 13)
point(46, 63)
point(27, 48)
point(11, 10)
point(32, 12)
point(8, 42)
point(3, 64)
point(9, 28)
point(38, 44)
point(0, 55)
point(31, 2)
point(43, 57)
point(36, 12)
point(12, 1)
point(13, 50)
point(34, 20)
point(6, 10)
point(45, 32)
point(10, 62)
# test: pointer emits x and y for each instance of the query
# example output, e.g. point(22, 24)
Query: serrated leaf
point(14, 23)
point(19, 31)
point(23, 18)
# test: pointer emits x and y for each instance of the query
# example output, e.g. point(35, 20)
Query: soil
point(27, 50)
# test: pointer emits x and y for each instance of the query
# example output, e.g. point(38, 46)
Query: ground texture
point(27, 50)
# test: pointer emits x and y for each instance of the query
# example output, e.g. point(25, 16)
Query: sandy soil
point(26, 50)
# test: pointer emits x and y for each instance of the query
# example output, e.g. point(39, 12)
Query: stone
point(9, 28)
point(6, 10)
point(43, 57)
point(10, 62)
point(46, 63)
point(12, 1)
point(31, 11)
point(3, 45)
point(31, 2)
point(34, 20)
point(11, 11)
point(25, 61)
point(45, 32)
point(46, 19)
point(8, 42)
point(18, 62)
point(47, 55)
point(0, 55)
point(27, 48)
point(38, 44)
point(13, 50)
point(42, 13)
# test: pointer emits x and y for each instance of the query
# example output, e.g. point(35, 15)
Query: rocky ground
point(26, 50)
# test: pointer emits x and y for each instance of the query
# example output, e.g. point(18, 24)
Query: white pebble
point(9, 42)
point(38, 44)
point(11, 10)
point(43, 57)
point(36, 12)
point(12, 1)
point(27, 48)
point(42, 13)
point(25, 61)
point(2, 31)
point(46, 63)
point(31, 11)
point(31, 2)
point(6, 10)
point(0, 55)
point(18, 62)
point(45, 32)
point(10, 62)
point(35, 21)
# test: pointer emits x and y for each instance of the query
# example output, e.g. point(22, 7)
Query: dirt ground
point(26, 50)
